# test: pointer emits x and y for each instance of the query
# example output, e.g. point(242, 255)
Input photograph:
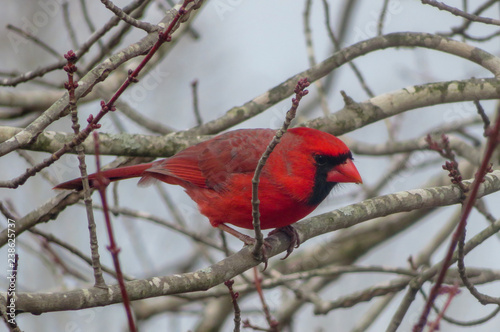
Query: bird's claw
point(260, 255)
point(263, 253)
point(294, 238)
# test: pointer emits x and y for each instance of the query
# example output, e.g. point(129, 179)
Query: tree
point(217, 65)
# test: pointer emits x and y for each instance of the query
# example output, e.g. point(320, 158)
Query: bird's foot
point(294, 238)
point(250, 241)
point(260, 254)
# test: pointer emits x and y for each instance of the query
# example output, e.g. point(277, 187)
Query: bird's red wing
point(213, 163)
point(234, 153)
point(177, 170)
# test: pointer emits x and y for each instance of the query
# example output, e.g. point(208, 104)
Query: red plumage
point(217, 175)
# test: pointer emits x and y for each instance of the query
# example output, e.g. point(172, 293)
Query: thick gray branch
point(85, 85)
point(386, 105)
point(243, 260)
point(268, 98)
point(401, 39)
point(345, 120)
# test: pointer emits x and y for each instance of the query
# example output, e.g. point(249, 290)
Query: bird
point(217, 175)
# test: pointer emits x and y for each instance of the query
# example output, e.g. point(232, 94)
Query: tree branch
point(243, 260)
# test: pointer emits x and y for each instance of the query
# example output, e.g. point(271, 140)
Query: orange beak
point(345, 172)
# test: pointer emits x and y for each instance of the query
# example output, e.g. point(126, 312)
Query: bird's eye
point(320, 160)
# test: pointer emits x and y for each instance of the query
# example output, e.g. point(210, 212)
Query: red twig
point(93, 122)
point(493, 141)
point(273, 324)
point(101, 184)
point(450, 166)
point(452, 292)
point(85, 48)
point(165, 36)
point(234, 298)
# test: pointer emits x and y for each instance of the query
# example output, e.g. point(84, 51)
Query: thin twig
point(273, 324)
point(85, 47)
point(242, 261)
point(475, 142)
point(477, 38)
point(35, 40)
point(474, 322)
point(90, 24)
point(69, 24)
point(452, 165)
point(172, 207)
point(129, 19)
point(196, 108)
point(290, 115)
point(101, 184)
point(371, 315)
point(201, 238)
point(484, 117)
point(105, 107)
point(337, 47)
point(416, 284)
point(311, 57)
point(137, 11)
point(479, 321)
point(75, 251)
point(194, 34)
point(57, 261)
point(452, 292)
point(330, 272)
point(124, 108)
point(467, 23)
point(345, 18)
point(493, 141)
point(224, 242)
point(236, 307)
point(465, 6)
point(39, 81)
point(381, 19)
point(70, 68)
point(423, 258)
point(457, 12)
point(482, 298)
point(483, 209)
point(44, 173)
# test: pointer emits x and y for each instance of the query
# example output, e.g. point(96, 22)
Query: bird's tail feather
point(114, 174)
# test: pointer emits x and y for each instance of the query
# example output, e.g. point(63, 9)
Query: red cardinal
point(217, 175)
